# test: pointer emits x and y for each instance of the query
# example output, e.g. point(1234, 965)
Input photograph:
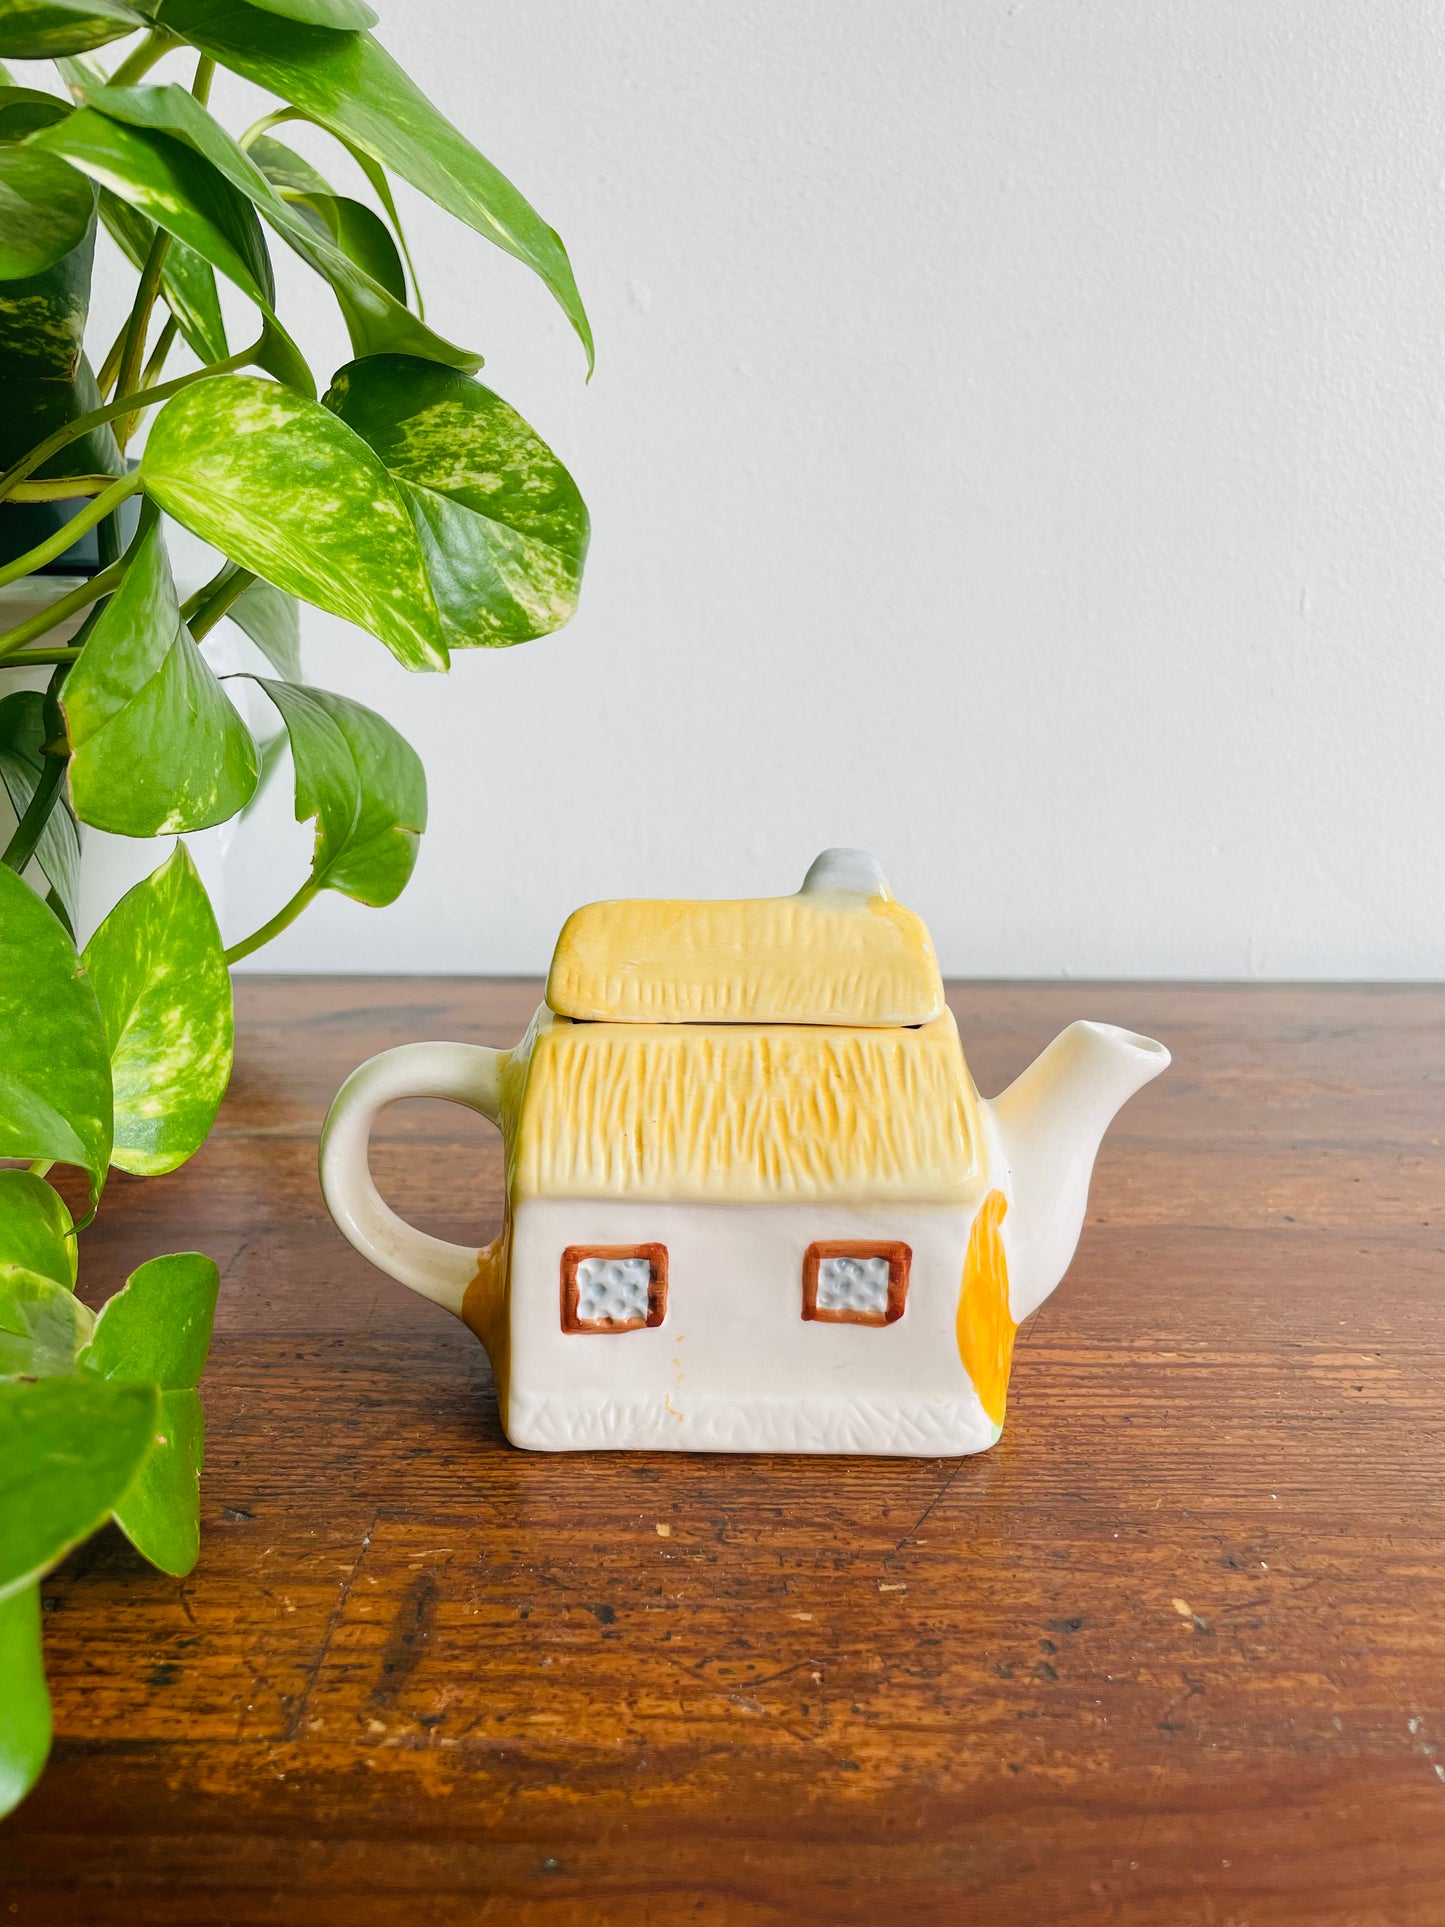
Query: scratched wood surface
point(1173, 1652)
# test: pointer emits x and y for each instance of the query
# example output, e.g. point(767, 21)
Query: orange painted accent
point(485, 1311)
point(985, 1329)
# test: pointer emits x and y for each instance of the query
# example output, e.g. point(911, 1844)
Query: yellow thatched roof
point(757, 1115)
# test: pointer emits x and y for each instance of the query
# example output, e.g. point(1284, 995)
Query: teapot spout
point(1049, 1123)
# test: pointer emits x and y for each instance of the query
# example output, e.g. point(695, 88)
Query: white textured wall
point(1017, 446)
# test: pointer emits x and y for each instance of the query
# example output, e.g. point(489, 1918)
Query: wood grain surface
point(1173, 1652)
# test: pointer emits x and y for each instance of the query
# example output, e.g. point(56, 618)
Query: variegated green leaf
point(23, 110)
point(361, 236)
point(375, 319)
point(189, 286)
point(42, 324)
point(159, 973)
point(501, 523)
point(155, 743)
point(22, 734)
point(161, 1511)
point(281, 486)
point(179, 190)
point(45, 210)
point(287, 172)
point(187, 282)
point(46, 29)
point(54, 1064)
point(272, 621)
point(69, 1448)
point(350, 85)
point(364, 784)
point(36, 1233)
point(171, 185)
point(43, 1325)
point(47, 380)
point(158, 1326)
point(79, 71)
point(337, 14)
point(37, 405)
point(25, 1714)
point(159, 1329)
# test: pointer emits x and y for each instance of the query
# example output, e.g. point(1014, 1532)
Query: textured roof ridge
point(816, 957)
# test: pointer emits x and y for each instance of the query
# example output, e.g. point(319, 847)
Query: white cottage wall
point(735, 1366)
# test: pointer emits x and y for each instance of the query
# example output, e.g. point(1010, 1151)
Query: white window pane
point(612, 1290)
point(853, 1284)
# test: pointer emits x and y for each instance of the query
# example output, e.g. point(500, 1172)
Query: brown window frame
point(573, 1256)
point(900, 1260)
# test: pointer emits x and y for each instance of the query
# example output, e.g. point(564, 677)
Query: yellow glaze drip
point(985, 1329)
point(815, 958)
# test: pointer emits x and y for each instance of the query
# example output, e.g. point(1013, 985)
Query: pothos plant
point(408, 499)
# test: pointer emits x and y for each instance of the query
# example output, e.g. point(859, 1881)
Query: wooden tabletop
point(1174, 1651)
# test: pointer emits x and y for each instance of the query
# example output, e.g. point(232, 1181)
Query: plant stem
point(109, 545)
point(157, 42)
point(48, 618)
point(198, 597)
point(65, 537)
point(105, 379)
point(55, 903)
point(30, 657)
point(41, 1165)
point(201, 85)
point(132, 355)
point(288, 913)
point(209, 612)
point(264, 125)
point(146, 398)
point(61, 488)
point(162, 348)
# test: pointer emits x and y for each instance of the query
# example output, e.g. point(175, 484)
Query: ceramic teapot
point(753, 1199)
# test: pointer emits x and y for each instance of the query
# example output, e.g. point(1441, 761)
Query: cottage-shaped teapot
point(753, 1199)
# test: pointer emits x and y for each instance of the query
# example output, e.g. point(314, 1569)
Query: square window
point(613, 1288)
point(846, 1282)
point(853, 1284)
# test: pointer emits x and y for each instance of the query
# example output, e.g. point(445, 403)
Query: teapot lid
point(842, 951)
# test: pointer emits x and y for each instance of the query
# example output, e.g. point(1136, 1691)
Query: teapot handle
point(464, 1074)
